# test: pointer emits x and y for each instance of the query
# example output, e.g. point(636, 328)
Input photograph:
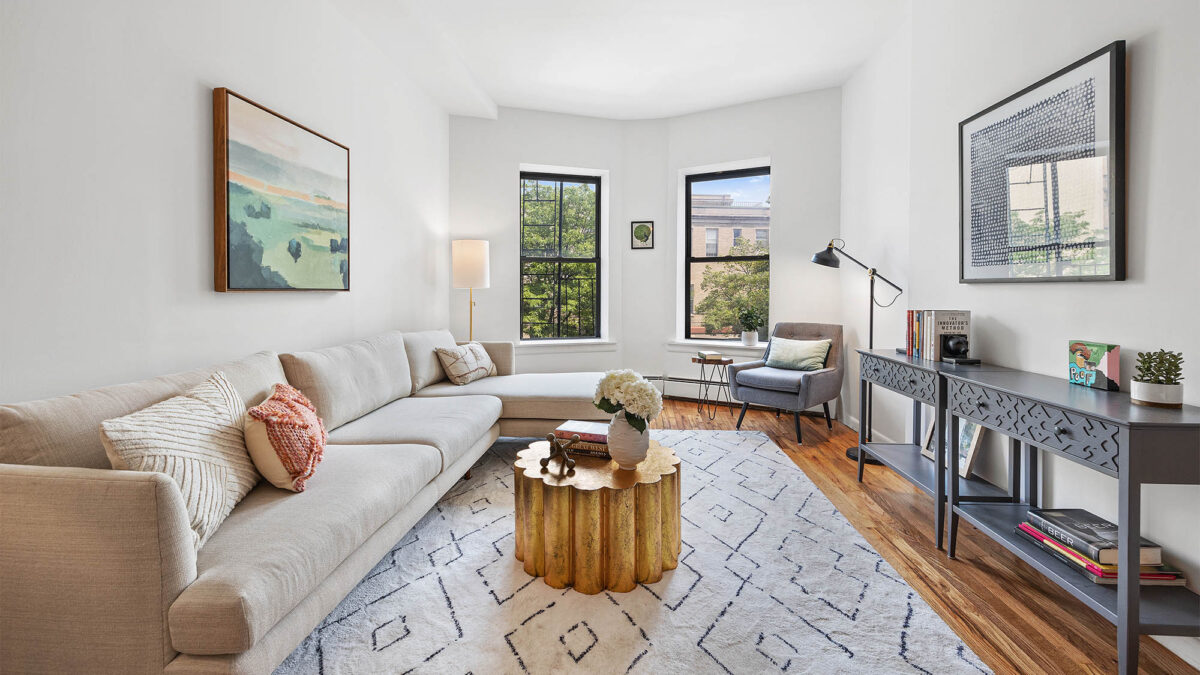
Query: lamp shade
point(469, 263)
point(827, 257)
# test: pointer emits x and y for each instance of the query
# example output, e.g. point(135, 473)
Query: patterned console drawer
point(1091, 441)
point(910, 381)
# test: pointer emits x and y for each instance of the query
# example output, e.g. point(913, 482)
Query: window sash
point(557, 261)
point(689, 258)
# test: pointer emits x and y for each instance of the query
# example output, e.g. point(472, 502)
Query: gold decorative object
point(595, 527)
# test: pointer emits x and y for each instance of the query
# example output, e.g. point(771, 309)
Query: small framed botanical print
point(969, 434)
point(641, 234)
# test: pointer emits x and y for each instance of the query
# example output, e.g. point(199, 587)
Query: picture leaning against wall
point(281, 203)
point(1042, 179)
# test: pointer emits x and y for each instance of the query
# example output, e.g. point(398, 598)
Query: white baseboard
point(852, 422)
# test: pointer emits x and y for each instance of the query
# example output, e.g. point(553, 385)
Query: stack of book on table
point(710, 355)
point(923, 338)
point(1088, 544)
point(593, 437)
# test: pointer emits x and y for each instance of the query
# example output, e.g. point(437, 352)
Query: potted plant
point(1158, 379)
point(633, 403)
point(751, 320)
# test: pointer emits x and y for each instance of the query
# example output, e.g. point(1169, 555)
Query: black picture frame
point(634, 242)
point(1109, 62)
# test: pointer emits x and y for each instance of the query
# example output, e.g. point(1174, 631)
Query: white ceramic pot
point(750, 338)
point(627, 445)
point(1159, 395)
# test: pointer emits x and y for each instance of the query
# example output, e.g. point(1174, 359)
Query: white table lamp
point(470, 270)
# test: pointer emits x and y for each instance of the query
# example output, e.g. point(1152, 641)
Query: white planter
point(1159, 395)
point(627, 445)
point(750, 338)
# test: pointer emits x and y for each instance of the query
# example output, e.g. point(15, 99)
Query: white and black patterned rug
point(771, 578)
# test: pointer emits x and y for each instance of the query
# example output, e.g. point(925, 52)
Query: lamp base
point(852, 453)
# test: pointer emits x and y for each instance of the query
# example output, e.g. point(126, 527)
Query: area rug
point(771, 578)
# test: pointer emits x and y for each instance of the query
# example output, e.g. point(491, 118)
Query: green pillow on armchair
point(798, 354)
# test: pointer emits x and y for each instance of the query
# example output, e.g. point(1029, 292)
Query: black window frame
point(689, 259)
point(596, 258)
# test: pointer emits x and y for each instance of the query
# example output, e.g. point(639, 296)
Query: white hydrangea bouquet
point(633, 403)
point(625, 390)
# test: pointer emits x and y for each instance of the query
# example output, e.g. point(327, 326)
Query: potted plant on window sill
point(1158, 379)
point(751, 320)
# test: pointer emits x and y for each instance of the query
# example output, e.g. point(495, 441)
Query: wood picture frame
point(1041, 178)
point(298, 201)
point(645, 228)
point(969, 435)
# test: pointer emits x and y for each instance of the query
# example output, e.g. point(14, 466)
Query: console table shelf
point(906, 460)
point(1102, 431)
point(1163, 610)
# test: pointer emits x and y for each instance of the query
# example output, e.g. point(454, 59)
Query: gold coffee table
point(601, 528)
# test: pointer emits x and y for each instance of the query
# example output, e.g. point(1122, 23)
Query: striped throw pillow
point(466, 363)
point(197, 440)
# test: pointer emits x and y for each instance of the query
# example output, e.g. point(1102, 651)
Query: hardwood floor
point(1015, 619)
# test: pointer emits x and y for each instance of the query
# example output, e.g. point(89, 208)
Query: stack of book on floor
point(593, 438)
point(1088, 544)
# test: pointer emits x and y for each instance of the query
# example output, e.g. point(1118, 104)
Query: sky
point(744, 189)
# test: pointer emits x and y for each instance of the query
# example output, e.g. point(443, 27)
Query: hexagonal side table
point(601, 528)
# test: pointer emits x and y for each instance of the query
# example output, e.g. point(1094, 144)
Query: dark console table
point(1101, 430)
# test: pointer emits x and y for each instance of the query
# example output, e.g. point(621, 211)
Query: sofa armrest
point(90, 562)
point(820, 386)
point(503, 354)
point(737, 368)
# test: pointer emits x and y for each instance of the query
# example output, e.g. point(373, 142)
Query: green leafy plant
point(1160, 367)
point(751, 319)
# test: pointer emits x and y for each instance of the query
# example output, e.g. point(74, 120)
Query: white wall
point(875, 187)
point(106, 185)
point(800, 135)
point(958, 69)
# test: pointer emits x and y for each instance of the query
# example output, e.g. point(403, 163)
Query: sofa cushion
point(466, 363)
point(452, 425)
point(561, 396)
point(62, 431)
point(277, 546)
point(285, 438)
point(350, 380)
point(775, 379)
point(422, 356)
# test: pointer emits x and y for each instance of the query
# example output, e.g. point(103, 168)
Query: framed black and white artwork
point(1042, 179)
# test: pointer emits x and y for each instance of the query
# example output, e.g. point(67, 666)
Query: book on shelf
point(710, 355)
point(1149, 575)
point(1089, 534)
point(925, 328)
point(591, 432)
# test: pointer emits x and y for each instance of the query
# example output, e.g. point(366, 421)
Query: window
point(729, 272)
point(560, 256)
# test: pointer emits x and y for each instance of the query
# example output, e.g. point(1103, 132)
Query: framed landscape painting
point(282, 201)
point(1042, 179)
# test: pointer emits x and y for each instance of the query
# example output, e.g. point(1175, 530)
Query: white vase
point(627, 445)
point(750, 338)
point(1158, 395)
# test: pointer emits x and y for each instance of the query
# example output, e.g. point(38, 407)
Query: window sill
point(724, 346)
point(542, 346)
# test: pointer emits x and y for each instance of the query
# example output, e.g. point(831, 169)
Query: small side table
point(714, 374)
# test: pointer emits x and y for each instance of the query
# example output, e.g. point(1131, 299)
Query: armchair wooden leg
point(796, 421)
point(467, 475)
point(777, 413)
point(828, 419)
point(742, 415)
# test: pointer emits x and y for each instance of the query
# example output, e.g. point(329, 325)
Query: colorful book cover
point(1089, 534)
point(1094, 364)
point(1164, 577)
point(592, 432)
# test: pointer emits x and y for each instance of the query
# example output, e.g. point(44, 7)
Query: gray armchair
point(793, 390)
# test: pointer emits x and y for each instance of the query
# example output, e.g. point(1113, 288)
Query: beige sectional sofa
point(97, 569)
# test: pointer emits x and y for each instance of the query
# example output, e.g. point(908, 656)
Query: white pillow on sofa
point(466, 363)
point(196, 439)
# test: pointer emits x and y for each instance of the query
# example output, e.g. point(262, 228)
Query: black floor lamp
point(829, 258)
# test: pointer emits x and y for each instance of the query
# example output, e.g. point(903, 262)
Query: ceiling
point(624, 59)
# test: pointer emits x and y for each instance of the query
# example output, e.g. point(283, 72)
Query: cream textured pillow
point(466, 363)
point(197, 440)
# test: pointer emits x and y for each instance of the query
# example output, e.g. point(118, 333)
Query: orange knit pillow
point(285, 438)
